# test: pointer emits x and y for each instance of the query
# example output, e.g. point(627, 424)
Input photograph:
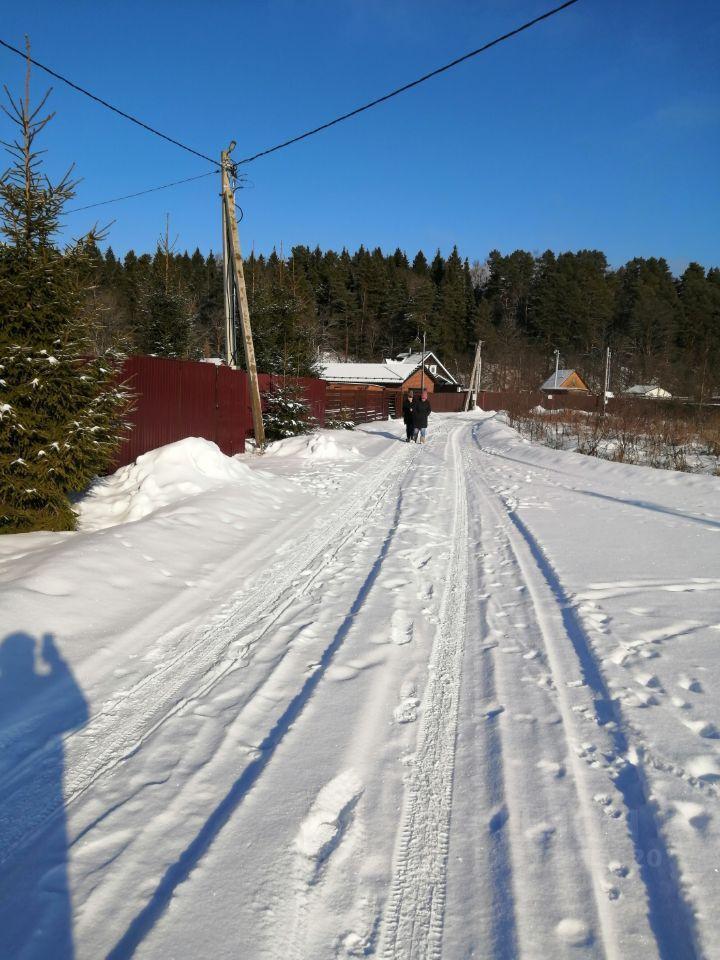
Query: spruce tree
point(61, 412)
point(166, 310)
point(287, 412)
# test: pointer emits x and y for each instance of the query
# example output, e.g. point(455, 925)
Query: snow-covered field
point(361, 698)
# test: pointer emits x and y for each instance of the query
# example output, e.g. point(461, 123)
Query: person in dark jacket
point(421, 412)
point(407, 412)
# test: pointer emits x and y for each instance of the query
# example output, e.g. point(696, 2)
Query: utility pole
point(474, 375)
point(228, 292)
point(236, 293)
point(607, 380)
point(557, 364)
point(422, 368)
point(478, 375)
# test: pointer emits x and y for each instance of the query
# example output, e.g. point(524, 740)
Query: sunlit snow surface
point(357, 698)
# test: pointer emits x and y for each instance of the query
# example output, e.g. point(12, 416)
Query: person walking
point(407, 412)
point(421, 412)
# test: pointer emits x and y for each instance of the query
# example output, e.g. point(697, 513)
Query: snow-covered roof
point(430, 360)
point(364, 372)
point(392, 372)
point(555, 384)
point(648, 390)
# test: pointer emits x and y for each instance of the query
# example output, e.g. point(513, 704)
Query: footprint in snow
point(395, 584)
point(542, 834)
point(703, 728)
point(402, 627)
point(575, 933)
point(329, 819)
point(556, 770)
point(694, 815)
point(407, 710)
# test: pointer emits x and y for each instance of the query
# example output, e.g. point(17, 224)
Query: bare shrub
point(669, 438)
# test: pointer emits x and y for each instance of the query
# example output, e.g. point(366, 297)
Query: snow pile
point(324, 447)
point(316, 446)
point(159, 478)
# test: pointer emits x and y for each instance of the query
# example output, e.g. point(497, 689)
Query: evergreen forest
point(368, 305)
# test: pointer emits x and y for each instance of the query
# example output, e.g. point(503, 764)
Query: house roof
point(395, 373)
point(648, 389)
point(562, 375)
point(391, 372)
point(430, 358)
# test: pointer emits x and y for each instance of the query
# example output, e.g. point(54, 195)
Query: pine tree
point(287, 413)
point(61, 413)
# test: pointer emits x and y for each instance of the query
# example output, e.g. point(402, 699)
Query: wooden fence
point(361, 404)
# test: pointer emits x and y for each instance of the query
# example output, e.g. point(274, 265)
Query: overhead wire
point(285, 143)
point(411, 84)
point(141, 193)
point(104, 103)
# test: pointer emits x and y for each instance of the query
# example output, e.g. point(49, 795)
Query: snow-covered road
point(363, 698)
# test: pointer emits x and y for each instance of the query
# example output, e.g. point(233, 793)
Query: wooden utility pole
point(475, 374)
point(422, 369)
point(606, 387)
point(228, 287)
point(236, 293)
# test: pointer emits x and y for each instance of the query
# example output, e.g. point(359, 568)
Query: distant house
point(442, 375)
point(649, 390)
point(405, 373)
point(565, 381)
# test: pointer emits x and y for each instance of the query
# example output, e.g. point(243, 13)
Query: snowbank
point(159, 478)
point(315, 446)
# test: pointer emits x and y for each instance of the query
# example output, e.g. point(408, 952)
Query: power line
point(141, 193)
point(302, 136)
point(413, 83)
point(104, 103)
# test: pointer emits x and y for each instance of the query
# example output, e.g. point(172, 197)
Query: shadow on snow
point(40, 702)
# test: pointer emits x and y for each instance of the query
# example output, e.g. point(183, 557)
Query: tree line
point(368, 305)
point(68, 315)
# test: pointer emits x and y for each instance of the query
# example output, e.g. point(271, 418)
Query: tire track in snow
point(670, 918)
point(111, 736)
point(181, 868)
point(413, 920)
point(551, 881)
point(480, 862)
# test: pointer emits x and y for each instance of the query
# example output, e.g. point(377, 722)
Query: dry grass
point(655, 437)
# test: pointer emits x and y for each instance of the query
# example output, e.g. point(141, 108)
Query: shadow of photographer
point(40, 702)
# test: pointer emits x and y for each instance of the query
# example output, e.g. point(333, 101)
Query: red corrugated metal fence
point(180, 398)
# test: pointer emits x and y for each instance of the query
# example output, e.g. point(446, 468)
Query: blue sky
point(599, 128)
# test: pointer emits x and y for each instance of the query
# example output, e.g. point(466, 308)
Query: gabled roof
point(557, 382)
point(391, 372)
point(648, 390)
point(430, 359)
